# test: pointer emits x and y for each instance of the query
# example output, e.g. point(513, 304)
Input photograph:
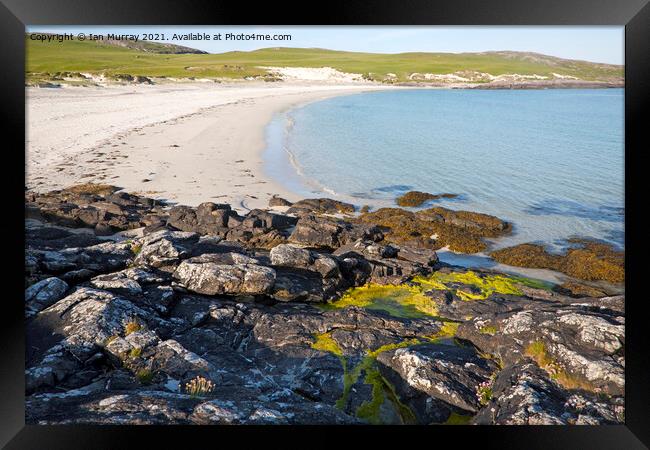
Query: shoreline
point(153, 150)
point(227, 133)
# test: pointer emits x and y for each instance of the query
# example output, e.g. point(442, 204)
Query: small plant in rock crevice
point(136, 248)
point(131, 326)
point(199, 386)
point(484, 392)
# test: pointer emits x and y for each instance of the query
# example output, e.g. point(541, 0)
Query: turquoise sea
point(550, 161)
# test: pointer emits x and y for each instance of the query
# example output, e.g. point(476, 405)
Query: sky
point(604, 44)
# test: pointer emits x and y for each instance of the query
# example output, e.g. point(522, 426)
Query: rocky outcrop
point(207, 218)
point(205, 316)
point(94, 206)
point(330, 234)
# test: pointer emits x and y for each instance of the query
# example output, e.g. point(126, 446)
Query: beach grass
point(98, 57)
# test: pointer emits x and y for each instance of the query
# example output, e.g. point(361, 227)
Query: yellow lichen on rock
point(405, 301)
point(324, 342)
point(487, 284)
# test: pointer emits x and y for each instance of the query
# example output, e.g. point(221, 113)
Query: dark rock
point(50, 238)
point(580, 345)
point(207, 218)
point(448, 374)
point(383, 264)
point(320, 206)
point(279, 201)
point(100, 258)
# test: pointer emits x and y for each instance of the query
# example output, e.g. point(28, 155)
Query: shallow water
point(550, 161)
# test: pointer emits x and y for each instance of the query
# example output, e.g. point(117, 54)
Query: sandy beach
point(185, 142)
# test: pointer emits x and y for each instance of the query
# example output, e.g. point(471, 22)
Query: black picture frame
point(16, 14)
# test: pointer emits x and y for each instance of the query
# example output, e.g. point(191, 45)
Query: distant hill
point(143, 46)
point(156, 60)
point(154, 47)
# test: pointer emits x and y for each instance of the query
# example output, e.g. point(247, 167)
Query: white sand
point(193, 142)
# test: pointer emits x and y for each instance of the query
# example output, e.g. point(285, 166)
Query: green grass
point(95, 57)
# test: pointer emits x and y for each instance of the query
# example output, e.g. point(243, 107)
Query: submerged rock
point(417, 198)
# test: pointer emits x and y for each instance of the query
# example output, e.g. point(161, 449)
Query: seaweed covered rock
point(586, 260)
point(320, 206)
point(434, 228)
point(417, 198)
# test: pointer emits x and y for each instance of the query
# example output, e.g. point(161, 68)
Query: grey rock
point(444, 372)
point(523, 395)
point(43, 294)
point(213, 274)
point(165, 247)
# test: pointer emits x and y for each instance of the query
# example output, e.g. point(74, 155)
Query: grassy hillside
point(76, 56)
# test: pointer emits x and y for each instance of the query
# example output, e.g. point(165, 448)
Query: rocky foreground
point(142, 313)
